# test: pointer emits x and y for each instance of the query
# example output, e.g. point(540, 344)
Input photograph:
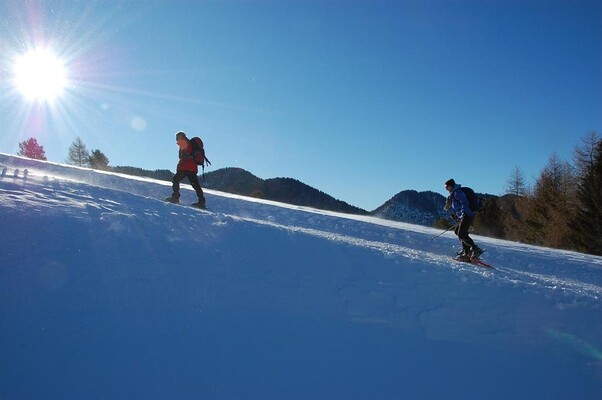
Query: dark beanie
point(451, 183)
point(180, 134)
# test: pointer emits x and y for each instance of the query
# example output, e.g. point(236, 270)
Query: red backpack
point(198, 152)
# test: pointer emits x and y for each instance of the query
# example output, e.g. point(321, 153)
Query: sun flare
point(40, 75)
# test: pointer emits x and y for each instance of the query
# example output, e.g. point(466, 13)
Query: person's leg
point(468, 244)
point(463, 226)
point(194, 181)
point(465, 249)
point(175, 184)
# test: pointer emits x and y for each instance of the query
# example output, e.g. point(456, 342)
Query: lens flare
point(40, 75)
point(579, 345)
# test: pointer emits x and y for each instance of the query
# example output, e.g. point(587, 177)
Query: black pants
point(462, 232)
point(194, 181)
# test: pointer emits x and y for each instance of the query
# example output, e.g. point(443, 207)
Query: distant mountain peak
point(285, 190)
point(423, 208)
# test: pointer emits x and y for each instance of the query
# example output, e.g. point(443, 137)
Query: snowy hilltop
point(108, 292)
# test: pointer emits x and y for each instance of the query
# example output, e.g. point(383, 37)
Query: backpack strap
point(191, 148)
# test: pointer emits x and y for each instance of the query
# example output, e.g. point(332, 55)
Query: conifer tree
point(98, 160)
point(78, 153)
point(552, 207)
point(31, 149)
point(588, 220)
point(516, 183)
point(584, 155)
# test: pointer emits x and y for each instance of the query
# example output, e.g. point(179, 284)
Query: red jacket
point(186, 162)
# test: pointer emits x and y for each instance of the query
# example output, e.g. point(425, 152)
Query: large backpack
point(474, 202)
point(198, 152)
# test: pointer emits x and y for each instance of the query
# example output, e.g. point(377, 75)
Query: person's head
point(181, 139)
point(450, 185)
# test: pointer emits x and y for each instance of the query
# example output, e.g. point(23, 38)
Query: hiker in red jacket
point(187, 168)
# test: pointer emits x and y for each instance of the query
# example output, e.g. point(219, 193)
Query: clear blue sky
point(360, 99)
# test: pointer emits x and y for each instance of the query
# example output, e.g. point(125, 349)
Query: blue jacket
point(459, 203)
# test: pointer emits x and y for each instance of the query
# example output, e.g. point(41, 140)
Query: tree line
point(78, 154)
point(561, 209)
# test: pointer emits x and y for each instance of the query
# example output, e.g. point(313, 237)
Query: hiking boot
point(476, 251)
point(173, 199)
point(464, 252)
point(199, 204)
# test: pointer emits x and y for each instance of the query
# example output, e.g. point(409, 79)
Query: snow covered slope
point(108, 292)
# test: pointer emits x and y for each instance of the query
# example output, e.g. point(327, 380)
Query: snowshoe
point(463, 258)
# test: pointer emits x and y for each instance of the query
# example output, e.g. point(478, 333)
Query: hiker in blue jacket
point(464, 217)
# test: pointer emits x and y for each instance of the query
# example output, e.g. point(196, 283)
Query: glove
point(447, 205)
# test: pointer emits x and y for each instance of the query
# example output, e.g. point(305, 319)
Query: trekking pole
point(451, 227)
point(456, 222)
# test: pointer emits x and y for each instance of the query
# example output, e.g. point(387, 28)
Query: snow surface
point(108, 292)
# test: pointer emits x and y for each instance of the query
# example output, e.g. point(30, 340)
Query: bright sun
point(40, 75)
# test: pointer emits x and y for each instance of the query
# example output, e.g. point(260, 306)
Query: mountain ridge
point(285, 190)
